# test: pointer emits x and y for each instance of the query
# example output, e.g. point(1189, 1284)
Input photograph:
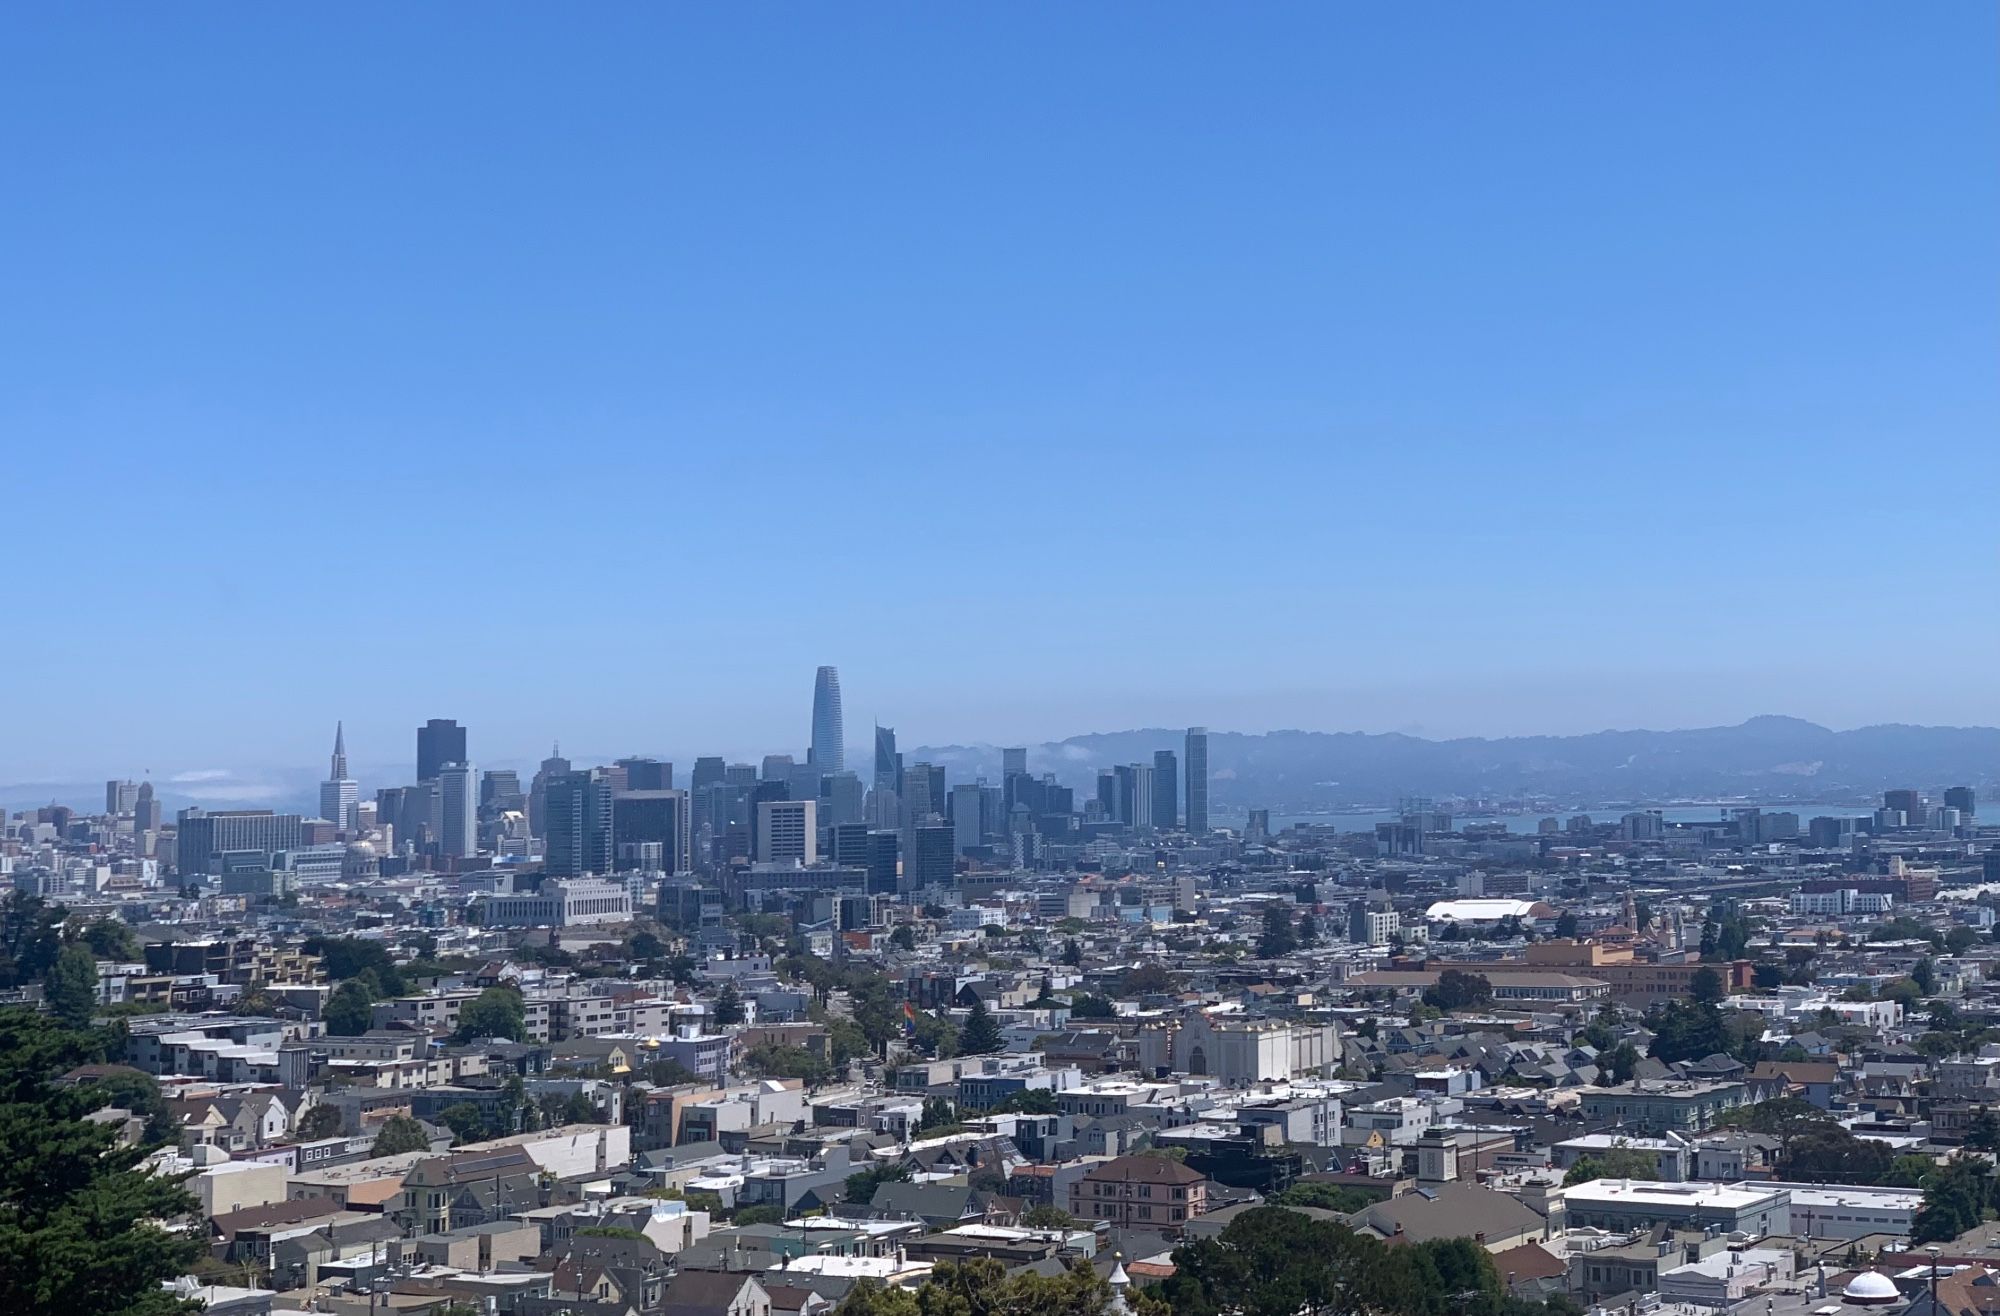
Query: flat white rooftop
point(1681, 1196)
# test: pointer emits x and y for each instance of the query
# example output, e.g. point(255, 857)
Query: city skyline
point(1174, 752)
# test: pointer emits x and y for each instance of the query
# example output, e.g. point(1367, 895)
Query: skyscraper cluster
point(901, 824)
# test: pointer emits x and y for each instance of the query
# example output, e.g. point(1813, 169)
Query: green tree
point(1072, 954)
point(138, 1093)
point(1086, 1006)
point(1924, 975)
point(1043, 1215)
point(464, 1121)
point(347, 1013)
point(399, 1134)
point(861, 1186)
point(1343, 1198)
point(322, 1121)
point(1308, 929)
point(772, 1060)
point(71, 990)
point(30, 938)
point(109, 939)
point(350, 957)
point(1602, 1031)
point(1144, 980)
point(728, 1006)
point(1783, 1118)
point(1827, 1153)
point(1982, 1132)
point(936, 1036)
point(980, 1035)
point(1458, 990)
point(759, 1215)
point(904, 937)
point(495, 1012)
point(1706, 986)
point(1566, 926)
point(1909, 1172)
point(78, 1231)
point(1687, 1030)
point(1619, 1063)
point(1955, 1200)
point(982, 1287)
point(1028, 1101)
point(937, 1113)
point(1613, 1163)
point(1906, 992)
point(1277, 937)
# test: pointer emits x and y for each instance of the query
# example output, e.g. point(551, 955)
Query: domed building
point(1871, 1288)
point(360, 862)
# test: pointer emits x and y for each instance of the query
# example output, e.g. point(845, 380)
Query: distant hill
point(1765, 757)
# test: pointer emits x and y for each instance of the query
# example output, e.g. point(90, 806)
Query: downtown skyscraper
point(829, 738)
point(439, 741)
point(1195, 763)
point(339, 794)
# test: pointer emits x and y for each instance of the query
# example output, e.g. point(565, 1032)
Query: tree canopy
point(400, 1133)
point(495, 1012)
point(1458, 990)
point(1274, 1262)
point(79, 1231)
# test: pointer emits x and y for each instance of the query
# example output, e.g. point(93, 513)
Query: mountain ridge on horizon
point(1771, 755)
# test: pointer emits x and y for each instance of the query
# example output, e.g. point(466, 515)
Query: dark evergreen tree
point(980, 1035)
point(78, 1232)
point(71, 989)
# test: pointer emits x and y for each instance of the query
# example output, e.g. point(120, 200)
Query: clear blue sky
point(595, 373)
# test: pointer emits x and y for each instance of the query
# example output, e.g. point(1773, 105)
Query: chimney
point(1480, 1238)
point(1399, 1229)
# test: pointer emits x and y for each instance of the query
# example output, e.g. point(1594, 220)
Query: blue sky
point(1049, 368)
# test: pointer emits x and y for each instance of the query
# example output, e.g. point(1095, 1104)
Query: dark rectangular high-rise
point(640, 818)
point(1960, 798)
point(439, 741)
point(1166, 790)
point(647, 774)
point(923, 791)
point(883, 848)
point(579, 824)
point(1196, 761)
point(932, 858)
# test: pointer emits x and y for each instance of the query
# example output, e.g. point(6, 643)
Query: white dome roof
point(1870, 1286)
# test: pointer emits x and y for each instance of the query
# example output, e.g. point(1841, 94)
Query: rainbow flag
point(909, 1019)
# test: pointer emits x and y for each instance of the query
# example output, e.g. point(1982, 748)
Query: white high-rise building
point(788, 831)
point(339, 794)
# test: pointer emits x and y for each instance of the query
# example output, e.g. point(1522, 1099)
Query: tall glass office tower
point(829, 750)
